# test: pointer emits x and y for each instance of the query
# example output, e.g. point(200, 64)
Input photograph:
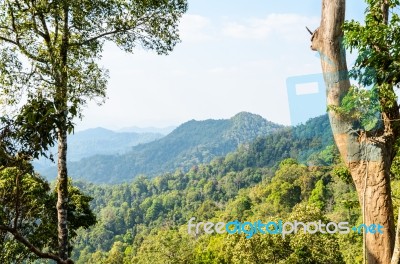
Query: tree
point(28, 216)
point(367, 150)
point(166, 246)
point(319, 195)
point(49, 50)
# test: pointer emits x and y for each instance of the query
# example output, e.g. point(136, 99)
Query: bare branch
point(309, 30)
point(115, 31)
point(99, 36)
point(9, 40)
point(35, 27)
point(45, 28)
point(46, 255)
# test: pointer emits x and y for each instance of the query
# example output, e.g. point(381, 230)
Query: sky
point(235, 55)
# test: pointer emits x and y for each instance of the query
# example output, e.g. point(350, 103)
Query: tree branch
point(99, 36)
point(46, 35)
point(46, 255)
point(16, 42)
point(9, 40)
point(17, 181)
point(115, 31)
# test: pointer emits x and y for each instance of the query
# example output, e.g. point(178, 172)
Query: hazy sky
point(235, 55)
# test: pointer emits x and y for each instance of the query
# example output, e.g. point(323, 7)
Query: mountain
point(99, 141)
point(303, 142)
point(191, 143)
point(157, 130)
point(103, 141)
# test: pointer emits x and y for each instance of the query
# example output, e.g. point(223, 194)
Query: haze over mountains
point(157, 130)
point(99, 141)
point(192, 143)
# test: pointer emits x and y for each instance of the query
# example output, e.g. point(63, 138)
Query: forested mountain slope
point(192, 143)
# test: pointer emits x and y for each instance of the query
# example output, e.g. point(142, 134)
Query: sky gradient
point(234, 56)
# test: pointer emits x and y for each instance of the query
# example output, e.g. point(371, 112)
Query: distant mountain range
point(262, 144)
point(156, 130)
point(98, 141)
point(189, 144)
point(103, 141)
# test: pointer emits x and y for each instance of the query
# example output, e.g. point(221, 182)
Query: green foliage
point(138, 221)
point(319, 195)
point(39, 36)
point(312, 248)
point(395, 167)
point(296, 248)
point(298, 142)
point(287, 162)
point(285, 190)
point(329, 156)
point(361, 106)
point(240, 208)
point(28, 207)
point(377, 44)
point(33, 129)
point(343, 173)
point(145, 216)
point(167, 246)
point(20, 140)
point(50, 52)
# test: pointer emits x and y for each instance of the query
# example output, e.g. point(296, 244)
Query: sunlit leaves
point(361, 106)
point(27, 205)
point(37, 53)
point(378, 46)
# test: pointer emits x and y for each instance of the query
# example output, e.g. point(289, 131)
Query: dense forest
point(146, 221)
point(237, 172)
point(293, 173)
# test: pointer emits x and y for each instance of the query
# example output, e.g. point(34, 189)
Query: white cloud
point(287, 25)
point(194, 28)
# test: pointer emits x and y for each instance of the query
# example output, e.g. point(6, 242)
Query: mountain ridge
point(191, 143)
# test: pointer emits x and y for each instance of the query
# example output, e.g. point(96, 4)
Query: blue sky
point(235, 56)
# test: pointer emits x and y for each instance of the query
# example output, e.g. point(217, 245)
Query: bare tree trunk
point(62, 192)
point(62, 178)
point(368, 158)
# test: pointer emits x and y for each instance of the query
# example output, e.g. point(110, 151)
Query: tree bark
point(62, 195)
point(62, 177)
point(368, 157)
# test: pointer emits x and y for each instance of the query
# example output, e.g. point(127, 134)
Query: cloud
point(194, 28)
point(289, 26)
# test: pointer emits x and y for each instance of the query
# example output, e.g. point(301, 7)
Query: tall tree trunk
point(62, 194)
point(368, 158)
point(62, 99)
